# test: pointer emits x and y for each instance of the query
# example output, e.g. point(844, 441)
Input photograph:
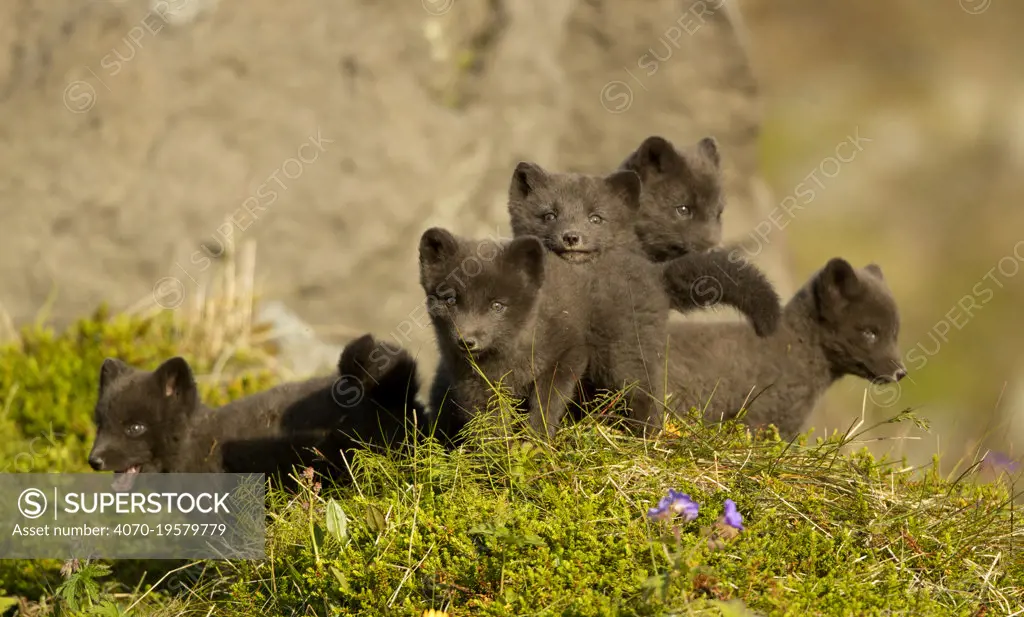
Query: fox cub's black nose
point(96, 463)
point(900, 374)
point(571, 238)
point(470, 343)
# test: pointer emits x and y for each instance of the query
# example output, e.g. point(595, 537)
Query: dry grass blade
point(213, 319)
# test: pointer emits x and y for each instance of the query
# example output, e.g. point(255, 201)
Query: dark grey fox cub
point(502, 313)
point(841, 322)
point(681, 205)
point(682, 200)
point(155, 422)
point(588, 222)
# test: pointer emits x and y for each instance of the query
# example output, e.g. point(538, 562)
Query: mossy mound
point(511, 526)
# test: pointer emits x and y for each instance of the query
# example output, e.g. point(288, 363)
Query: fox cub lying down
point(154, 421)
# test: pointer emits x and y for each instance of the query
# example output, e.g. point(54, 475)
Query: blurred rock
point(298, 347)
point(332, 136)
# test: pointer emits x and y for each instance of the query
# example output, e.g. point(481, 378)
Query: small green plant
point(79, 594)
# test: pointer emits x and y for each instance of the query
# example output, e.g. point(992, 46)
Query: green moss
point(509, 526)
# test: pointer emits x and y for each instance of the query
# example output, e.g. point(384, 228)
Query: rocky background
point(141, 141)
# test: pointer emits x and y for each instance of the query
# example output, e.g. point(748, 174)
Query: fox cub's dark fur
point(682, 200)
point(680, 213)
point(841, 322)
point(155, 421)
point(502, 313)
point(588, 222)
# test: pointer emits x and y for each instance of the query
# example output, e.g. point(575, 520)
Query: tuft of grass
point(509, 524)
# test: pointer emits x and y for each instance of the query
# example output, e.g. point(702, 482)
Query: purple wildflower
point(674, 504)
point(1000, 461)
point(732, 516)
point(682, 505)
point(661, 512)
point(658, 513)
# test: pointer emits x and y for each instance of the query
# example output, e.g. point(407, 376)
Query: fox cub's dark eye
point(497, 307)
point(548, 217)
point(684, 211)
point(869, 336)
point(596, 219)
point(134, 430)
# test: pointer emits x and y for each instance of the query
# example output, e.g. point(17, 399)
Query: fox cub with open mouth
point(155, 422)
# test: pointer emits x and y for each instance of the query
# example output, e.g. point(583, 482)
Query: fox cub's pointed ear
point(655, 154)
point(626, 184)
point(175, 380)
point(526, 179)
point(837, 284)
point(840, 276)
point(525, 254)
point(437, 245)
point(708, 147)
point(356, 354)
point(110, 370)
point(366, 360)
point(875, 271)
